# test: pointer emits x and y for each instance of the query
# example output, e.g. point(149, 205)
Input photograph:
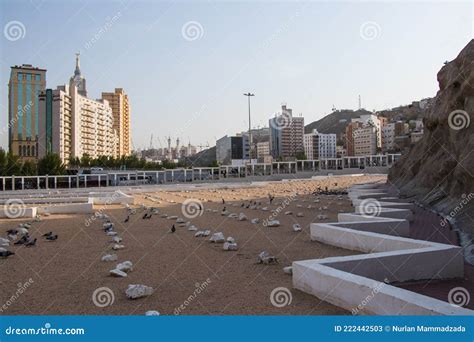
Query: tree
point(13, 165)
point(51, 164)
point(74, 161)
point(85, 160)
point(28, 168)
point(3, 162)
point(301, 156)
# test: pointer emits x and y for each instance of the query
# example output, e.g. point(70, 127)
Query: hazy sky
point(186, 64)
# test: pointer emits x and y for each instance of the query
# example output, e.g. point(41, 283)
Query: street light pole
point(250, 125)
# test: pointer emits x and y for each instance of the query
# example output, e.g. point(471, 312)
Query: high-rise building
point(232, 148)
point(119, 103)
point(263, 149)
point(365, 141)
point(319, 146)
point(388, 137)
point(75, 125)
point(55, 126)
point(26, 82)
point(286, 134)
point(350, 129)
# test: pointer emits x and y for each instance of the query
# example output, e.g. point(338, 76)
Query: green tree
point(3, 162)
point(28, 168)
point(13, 165)
point(85, 160)
point(74, 161)
point(301, 156)
point(51, 164)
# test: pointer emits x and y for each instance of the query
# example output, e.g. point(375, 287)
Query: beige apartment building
point(120, 105)
point(26, 82)
point(365, 141)
point(73, 125)
point(286, 135)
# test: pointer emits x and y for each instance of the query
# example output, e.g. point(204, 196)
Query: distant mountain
point(335, 122)
point(203, 158)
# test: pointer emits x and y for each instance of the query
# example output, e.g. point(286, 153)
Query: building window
point(37, 77)
point(33, 151)
point(19, 150)
point(24, 150)
point(28, 151)
point(20, 76)
point(28, 77)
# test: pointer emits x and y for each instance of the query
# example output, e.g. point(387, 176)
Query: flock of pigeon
point(269, 205)
point(20, 236)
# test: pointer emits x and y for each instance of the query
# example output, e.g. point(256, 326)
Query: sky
point(186, 64)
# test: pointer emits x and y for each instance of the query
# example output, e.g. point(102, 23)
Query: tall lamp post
point(250, 125)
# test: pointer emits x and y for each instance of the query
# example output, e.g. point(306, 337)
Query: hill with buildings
point(438, 169)
point(335, 122)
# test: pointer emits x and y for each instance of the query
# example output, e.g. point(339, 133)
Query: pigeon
point(48, 234)
point(22, 241)
point(6, 254)
point(12, 232)
point(126, 220)
point(144, 216)
point(31, 243)
point(52, 237)
point(223, 201)
point(173, 229)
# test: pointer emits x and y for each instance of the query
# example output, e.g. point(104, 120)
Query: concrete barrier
point(73, 208)
point(18, 212)
point(364, 296)
point(360, 283)
point(107, 198)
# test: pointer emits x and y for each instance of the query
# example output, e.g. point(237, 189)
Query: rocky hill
point(439, 170)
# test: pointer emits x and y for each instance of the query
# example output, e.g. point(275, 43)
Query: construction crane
point(151, 142)
point(202, 146)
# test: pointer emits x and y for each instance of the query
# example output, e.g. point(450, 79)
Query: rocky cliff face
point(439, 170)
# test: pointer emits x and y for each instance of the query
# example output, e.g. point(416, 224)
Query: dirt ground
point(63, 275)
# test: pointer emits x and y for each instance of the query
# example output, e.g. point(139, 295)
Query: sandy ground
point(64, 274)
